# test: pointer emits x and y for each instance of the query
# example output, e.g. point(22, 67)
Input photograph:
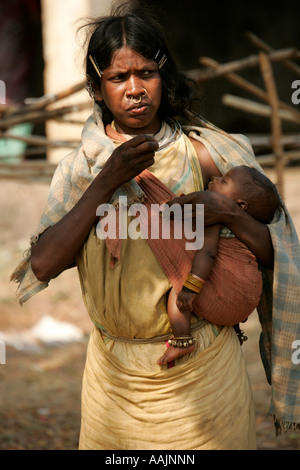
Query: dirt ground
point(41, 386)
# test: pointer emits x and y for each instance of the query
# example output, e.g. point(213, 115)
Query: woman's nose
point(134, 87)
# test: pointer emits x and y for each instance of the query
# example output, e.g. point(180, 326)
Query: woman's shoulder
point(66, 163)
point(206, 161)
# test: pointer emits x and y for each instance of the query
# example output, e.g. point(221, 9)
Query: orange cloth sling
point(234, 286)
point(233, 289)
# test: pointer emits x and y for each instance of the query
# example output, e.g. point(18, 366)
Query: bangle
point(197, 277)
point(194, 283)
point(182, 341)
point(186, 289)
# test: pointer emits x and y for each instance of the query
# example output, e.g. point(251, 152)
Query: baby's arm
point(201, 267)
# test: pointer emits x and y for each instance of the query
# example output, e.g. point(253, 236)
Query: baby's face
point(230, 184)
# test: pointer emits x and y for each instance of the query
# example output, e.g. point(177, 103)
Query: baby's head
point(251, 190)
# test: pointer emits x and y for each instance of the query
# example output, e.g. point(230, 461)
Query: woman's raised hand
point(130, 159)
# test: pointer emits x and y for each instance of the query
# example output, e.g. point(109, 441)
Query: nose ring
point(139, 98)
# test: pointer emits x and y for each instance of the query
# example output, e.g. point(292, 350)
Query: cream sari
point(128, 401)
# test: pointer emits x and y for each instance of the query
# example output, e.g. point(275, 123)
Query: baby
point(255, 194)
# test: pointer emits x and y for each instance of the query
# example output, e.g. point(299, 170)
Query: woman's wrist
point(103, 187)
point(252, 233)
point(231, 213)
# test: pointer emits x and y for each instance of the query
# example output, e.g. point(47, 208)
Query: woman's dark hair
point(132, 26)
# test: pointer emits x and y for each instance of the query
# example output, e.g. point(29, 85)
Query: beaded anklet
point(182, 341)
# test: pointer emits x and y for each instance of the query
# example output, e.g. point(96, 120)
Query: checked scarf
point(279, 307)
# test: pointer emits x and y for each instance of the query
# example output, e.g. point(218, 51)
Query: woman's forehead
point(126, 57)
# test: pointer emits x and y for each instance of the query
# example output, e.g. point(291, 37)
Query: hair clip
point(162, 61)
point(96, 66)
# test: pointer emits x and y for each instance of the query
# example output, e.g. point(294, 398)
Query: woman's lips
point(139, 110)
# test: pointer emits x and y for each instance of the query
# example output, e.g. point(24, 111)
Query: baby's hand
point(185, 301)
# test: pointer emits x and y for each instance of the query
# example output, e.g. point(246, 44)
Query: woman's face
point(123, 87)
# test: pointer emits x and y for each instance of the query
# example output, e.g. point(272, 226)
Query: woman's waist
point(199, 323)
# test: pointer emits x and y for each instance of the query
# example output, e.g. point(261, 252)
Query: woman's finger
point(187, 199)
point(139, 140)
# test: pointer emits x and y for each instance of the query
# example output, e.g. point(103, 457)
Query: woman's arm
point(59, 244)
point(253, 234)
point(219, 209)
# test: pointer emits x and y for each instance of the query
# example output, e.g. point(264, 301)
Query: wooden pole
point(248, 86)
point(276, 138)
point(251, 61)
point(39, 140)
point(40, 115)
point(42, 102)
point(252, 107)
point(253, 39)
point(270, 159)
point(27, 172)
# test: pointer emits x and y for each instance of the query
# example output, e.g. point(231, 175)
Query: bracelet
point(190, 291)
point(182, 341)
point(197, 277)
point(194, 283)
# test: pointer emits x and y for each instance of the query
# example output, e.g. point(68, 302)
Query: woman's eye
point(147, 73)
point(118, 78)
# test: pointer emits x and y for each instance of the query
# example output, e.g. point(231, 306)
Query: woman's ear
point(97, 91)
point(243, 204)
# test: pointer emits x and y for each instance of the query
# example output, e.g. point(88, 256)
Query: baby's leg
point(173, 353)
point(180, 324)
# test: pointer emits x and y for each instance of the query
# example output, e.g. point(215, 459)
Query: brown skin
point(128, 76)
point(59, 245)
point(254, 234)
point(223, 210)
point(180, 307)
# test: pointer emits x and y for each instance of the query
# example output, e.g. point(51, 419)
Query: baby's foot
point(174, 353)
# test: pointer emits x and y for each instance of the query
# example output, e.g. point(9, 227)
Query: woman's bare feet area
point(174, 353)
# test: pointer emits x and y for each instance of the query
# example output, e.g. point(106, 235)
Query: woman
point(128, 401)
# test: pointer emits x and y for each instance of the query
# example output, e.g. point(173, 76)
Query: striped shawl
point(279, 307)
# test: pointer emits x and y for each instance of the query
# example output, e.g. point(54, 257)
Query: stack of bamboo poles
point(35, 111)
point(274, 109)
